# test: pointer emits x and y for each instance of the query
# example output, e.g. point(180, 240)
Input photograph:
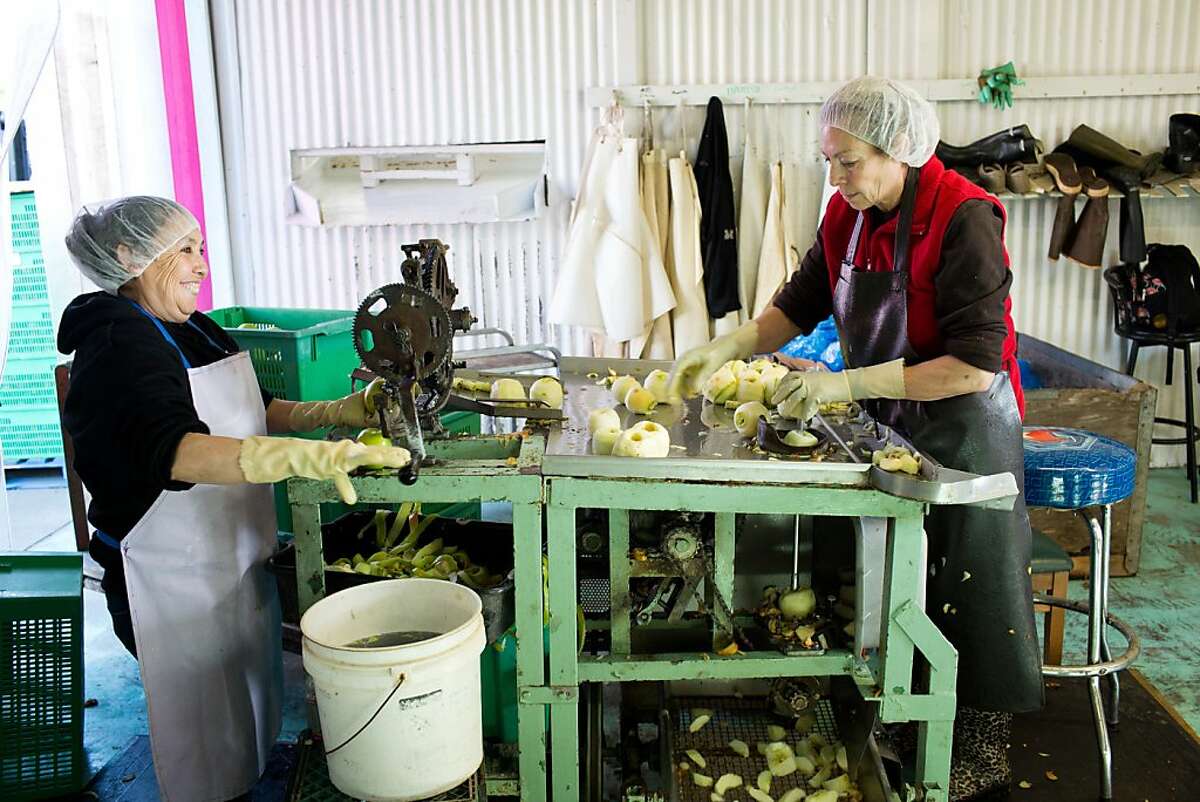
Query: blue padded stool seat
point(1069, 469)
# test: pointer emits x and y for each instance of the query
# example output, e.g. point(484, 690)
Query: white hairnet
point(886, 114)
point(113, 243)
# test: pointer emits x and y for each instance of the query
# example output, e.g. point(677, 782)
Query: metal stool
point(1070, 469)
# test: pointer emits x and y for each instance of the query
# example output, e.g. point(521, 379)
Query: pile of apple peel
point(815, 768)
point(896, 459)
point(404, 559)
point(645, 439)
point(788, 615)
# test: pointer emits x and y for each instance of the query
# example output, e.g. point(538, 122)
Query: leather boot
point(991, 178)
point(1091, 141)
point(1002, 147)
point(1131, 227)
point(1091, 231)
point(1183, 136)
point(1066, 178)
point(979, 767)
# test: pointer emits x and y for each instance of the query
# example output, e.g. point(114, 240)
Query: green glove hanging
point(995, 85)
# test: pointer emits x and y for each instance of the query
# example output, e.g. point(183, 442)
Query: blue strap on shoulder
point(163, 331)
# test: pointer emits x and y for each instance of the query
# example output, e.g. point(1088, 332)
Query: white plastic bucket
point(399, 722)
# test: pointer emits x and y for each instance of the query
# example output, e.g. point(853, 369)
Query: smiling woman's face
point(864, 175)
point(169, 285)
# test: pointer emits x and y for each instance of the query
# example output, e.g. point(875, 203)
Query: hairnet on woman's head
point(112, 243)
point(886, 114)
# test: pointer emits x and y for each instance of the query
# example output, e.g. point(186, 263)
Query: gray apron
point(979, 587)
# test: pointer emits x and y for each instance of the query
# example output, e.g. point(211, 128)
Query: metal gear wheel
point(401, 331)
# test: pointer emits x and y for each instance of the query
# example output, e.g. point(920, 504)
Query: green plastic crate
point(28, 384)
point(25, 233)
point(308, 356)
point(31, 333)
point(41, 675)
point(29, 280)
point(30, 434)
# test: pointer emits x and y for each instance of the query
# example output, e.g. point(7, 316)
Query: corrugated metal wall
point(410, 72)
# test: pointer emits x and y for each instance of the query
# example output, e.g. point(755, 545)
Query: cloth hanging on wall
point(718, 222)
point(575, 302)
point(630, 279)
point(689, 319)
point(611, 279)
point(773, 262)
point(752, 218)
point(658, 343)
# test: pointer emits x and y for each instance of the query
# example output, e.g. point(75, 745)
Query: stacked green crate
point(29, 426)
point(41, 676)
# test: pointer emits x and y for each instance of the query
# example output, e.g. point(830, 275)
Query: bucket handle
point(378, 710)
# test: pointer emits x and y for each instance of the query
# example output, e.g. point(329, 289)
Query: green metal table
point(711, 469)
point(505, 468)
point(884, 678)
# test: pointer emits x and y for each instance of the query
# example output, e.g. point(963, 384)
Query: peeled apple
point(507, 390)
point(641, 401)
point(794, 795)
point(548, 390)
point(721, 386)
point(750, 387)
point(799, 439)
point(746, 417)
point(653, 430)
point(771, 376)
point(603, 418)
point(604, 439)
point(738, 366)
point(798, 603)
point(657, 382)
point(621, 387)
point(639, 443)
point(759, 796)
point(822, 796)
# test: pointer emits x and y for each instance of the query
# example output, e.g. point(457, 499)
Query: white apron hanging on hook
point(689, 319)
point(773, 258)
point(575, 301)
point(630, 279)
point(657, 342)
point(752, 217)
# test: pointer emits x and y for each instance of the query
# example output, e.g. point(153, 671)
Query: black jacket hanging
point(718, 223)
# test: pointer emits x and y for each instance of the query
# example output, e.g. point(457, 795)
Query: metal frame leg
point(1114, 682)
point(1189, 418)
point(1097, 591)
point(1131, 362)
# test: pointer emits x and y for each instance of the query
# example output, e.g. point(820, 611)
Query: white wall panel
point(410, 72)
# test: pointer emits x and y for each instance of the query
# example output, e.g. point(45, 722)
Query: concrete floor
point(1162, 603)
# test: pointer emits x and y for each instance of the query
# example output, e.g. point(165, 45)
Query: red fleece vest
point(939, 193)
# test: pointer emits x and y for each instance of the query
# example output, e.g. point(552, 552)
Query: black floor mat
point(1156, 757)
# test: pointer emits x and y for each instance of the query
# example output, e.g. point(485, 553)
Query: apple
point(507, 390)
point(547, 389)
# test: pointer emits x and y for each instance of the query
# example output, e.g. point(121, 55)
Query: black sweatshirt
point(970, 313)
point(129, 404)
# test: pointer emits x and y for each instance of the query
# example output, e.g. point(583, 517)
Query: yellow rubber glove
point(272, 459)
point(801, 393)
point(356, 410)
point(693, 368)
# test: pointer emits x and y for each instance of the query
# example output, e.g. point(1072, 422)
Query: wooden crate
point(1081, 394)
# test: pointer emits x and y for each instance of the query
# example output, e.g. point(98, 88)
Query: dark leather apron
point(979, 587)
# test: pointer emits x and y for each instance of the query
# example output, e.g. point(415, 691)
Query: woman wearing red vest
point(910, 260)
